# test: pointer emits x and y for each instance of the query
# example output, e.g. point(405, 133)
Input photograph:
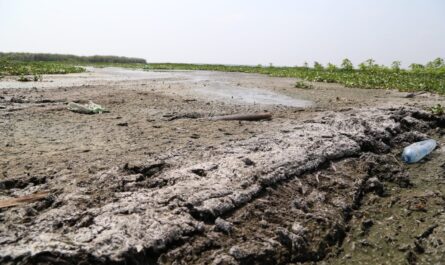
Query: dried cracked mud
point(155, 181)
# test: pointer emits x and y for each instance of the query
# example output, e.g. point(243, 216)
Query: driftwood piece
point(243, 117)
point(24, 199)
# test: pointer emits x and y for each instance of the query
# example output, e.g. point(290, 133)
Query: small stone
point(223, 225)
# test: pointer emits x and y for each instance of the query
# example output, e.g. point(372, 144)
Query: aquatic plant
point(369, 74)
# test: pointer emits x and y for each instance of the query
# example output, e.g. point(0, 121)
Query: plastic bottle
point(416, 151)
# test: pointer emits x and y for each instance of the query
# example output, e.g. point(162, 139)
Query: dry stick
point(243, 117)
point(24, 199)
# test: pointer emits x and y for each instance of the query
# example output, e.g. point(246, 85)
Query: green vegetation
point(303, 85)
point(122, 65)
point(36, 69)
point(35, 78)
point(36, 64)
point(23, 78)
point(368, 74)
point(429, 77)
point(437, 110)
point(48, 57)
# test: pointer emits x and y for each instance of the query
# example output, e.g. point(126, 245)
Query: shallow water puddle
point(243, 95)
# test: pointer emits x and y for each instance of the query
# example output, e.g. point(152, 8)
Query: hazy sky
point(286, 32)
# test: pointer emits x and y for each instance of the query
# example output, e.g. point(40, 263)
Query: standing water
point(241, 95)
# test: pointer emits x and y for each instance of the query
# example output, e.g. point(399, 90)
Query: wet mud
point(156, 181)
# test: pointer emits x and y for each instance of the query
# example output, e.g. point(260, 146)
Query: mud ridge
point(302, 219)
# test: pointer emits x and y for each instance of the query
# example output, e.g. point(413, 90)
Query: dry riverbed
point(155, 180)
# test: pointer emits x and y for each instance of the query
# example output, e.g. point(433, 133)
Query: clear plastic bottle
point(416, 151)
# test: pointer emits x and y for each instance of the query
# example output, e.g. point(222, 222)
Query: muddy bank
point(137, 212)
point(156, 181)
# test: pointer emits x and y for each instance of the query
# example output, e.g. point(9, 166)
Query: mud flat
point(155, 181)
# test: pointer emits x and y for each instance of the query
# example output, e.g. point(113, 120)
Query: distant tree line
point(48, 57)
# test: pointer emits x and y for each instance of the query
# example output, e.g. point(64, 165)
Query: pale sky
point(282, 32)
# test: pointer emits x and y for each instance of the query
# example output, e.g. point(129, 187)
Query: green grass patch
point(303, 85)
point(37, 68)
point(437, 110)
point(369, 75)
